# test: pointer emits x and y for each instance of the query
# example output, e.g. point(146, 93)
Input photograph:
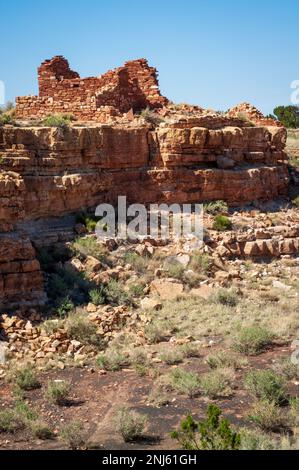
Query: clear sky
point(215, 53)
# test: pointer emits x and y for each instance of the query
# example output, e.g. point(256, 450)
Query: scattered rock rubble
point(27, 341)
point(272, 236)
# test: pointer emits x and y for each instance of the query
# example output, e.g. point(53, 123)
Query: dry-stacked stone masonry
point(133, 86)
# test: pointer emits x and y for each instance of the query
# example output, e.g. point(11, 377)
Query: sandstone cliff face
point(49, 172)
point(21, 280)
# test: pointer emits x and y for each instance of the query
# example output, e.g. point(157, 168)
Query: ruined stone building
point(191, 155)
point(133, 86)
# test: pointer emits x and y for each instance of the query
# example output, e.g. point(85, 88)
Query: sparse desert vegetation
point(139, 342)
point(176, 352)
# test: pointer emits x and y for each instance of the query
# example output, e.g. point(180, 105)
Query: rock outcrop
point(185, 155)
point(249, 113)
point(50, 172)
point(271, 242)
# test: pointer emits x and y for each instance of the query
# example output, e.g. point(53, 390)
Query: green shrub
point(266, 385)
point(73, 278)
point(243, 116)
point(130, 424)
point(88, 246)
point(22, 416)
point(139, 356)
point(58, 391)
point(9, 421)
point(57, 287)
point(65, 287)
point(9, 107)
point(26, 379)
point(222, 223)
point(116, 295)
point(52, 326)
point(41, 430)
point(141, 370)
point(57, 120)
point(112, 360)
point(98, 296)
point(171, 356)
point(288, 115)
point(185, 382)
point(215, 207)
point(174, 269)
point(211, 434)
point(287, 369)
point(74, 436)
point(296, 201)
point(253, 340)
point(64, 307)
point(294, 410)
point(151, 116)
point(255, 440)
point(137, 289)
point(90, 224)
point(90, 221)
point(6, 119)
point(217, 383)
point(228, 297)
point(200, 262)
point(140, 362)
point(270, 417)
point(81, 329)
point(190, 350)
point(157, 331)
point(25, 414)
point(139, 263)
point(223, 358)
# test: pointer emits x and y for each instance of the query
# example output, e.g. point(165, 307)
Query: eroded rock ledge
point(49, 172)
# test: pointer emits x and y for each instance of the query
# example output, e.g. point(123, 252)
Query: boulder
point(167, 289)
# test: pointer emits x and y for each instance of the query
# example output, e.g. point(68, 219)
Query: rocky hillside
point(187, 157)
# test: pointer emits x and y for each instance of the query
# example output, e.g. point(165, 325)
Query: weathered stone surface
point(270, 242)
point(150, 303)
point(21, 280)
point(248, 112)
point(203, 291)
point(133, 86)
point(92, 264)
point(167, 289)
point(56, 173)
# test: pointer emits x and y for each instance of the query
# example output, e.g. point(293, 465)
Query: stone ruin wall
point(133, 86)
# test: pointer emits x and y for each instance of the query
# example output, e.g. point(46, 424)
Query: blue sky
point(215, 53)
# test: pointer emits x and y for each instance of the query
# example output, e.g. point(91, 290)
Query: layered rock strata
point(50, 172)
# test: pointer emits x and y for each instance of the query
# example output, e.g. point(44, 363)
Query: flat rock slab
point(203, 291)
point(167, 289)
